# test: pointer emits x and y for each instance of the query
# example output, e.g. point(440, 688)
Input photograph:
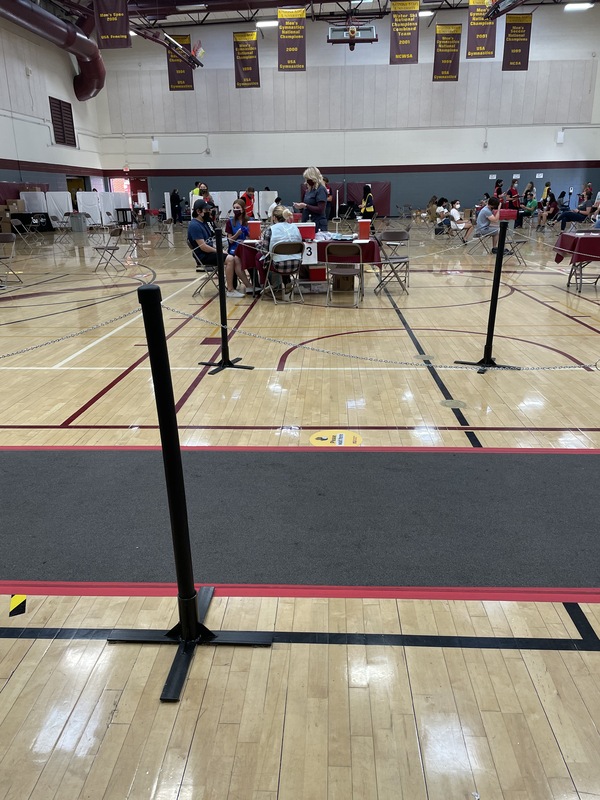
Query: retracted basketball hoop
point(352, 34)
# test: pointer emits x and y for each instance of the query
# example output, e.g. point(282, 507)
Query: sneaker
point(235, 293)
point(251, 289)
point(200, 269)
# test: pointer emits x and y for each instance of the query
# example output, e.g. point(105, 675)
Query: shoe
point(253, 290)
point(235, 293)
point(200, 269)
point(507, 252)
point(494, 250)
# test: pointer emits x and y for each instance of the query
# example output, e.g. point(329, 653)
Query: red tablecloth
point(579, 246)
point(250, 256)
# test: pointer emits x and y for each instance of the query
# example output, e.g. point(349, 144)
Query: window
point(62, 122)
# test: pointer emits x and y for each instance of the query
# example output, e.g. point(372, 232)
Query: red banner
point(517, 40)
point(446, 58)
point(112, 24)
point(481, 32)
point(291, 41)
point(245, 60)
point(181, 75)
point(404, 33)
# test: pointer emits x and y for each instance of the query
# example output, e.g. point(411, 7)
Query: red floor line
point(309, 449)
point(509, 593)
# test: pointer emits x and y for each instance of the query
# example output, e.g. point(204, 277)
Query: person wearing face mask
point(314, 205)
point(200, 237)
point(512, 198)
point(458, 223)
point(236, 229)
point(248, 198)
point(498, 191)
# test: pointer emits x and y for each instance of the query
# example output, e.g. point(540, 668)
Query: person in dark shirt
point(200, 237)
point(314, 205)
point(175, 206)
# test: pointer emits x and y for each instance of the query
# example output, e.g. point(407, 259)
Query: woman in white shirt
point(458, 223)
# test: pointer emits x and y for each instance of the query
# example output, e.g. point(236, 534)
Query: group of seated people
point(201, 240)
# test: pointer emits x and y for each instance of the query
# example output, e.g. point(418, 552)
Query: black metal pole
point(225, 362)
point(150, 300)
point(488, 360)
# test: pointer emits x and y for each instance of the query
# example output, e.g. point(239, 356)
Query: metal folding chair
point(94, 228)
point(210, 272)
point(22, 231)
point(290, 267)
point(395, 260)
point(163, 231)
point(135, 242)
point(484, 239)
point(8, 241)
point(108, 252)
point(351, 265)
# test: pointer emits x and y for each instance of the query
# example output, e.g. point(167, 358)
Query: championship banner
point(291, 41)
point(481, 32)
point(245, 60)
point(181, 75)
point(517, 39)
point(112, 24)
point(446, 58)
point(404, 33)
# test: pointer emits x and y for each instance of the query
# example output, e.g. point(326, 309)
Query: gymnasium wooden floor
point(424, 693)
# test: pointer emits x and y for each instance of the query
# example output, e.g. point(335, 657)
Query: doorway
point(75, 185)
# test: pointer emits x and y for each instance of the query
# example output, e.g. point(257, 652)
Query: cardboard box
point(5, 227)
point(16, 206)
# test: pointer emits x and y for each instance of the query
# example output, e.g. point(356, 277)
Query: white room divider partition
point(35, 202)
point(58, 204)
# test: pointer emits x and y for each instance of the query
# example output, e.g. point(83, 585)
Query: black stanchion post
point(488, 360)
point(193, 606)
point(226, 362)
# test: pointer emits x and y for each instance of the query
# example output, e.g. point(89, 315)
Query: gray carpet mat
point(333, 518)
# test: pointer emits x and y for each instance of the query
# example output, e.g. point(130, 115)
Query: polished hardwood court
point(80, 374)
point(499, 699)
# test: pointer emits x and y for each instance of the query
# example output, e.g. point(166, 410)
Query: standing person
point(546, 192)
point(498, 192)
point(367, 206)
point(200, 237)
point(196, 190)
point(315, 200)
point(204, 193)
point(248, 198)
point(175, 207)
point(513, 199)
point(530, 188)
point(487, 223)
point(236, 229)
point(328, 206)
point(272, 207)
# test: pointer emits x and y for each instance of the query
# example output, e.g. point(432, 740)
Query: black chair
point(395, 260)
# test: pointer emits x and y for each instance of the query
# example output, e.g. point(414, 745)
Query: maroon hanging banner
point(112, 24)
point(291, 41)
point(481, 32)
point(181, 75)
point(517, 40)
point(404, 32)
point(446, 58)
point(245, 60)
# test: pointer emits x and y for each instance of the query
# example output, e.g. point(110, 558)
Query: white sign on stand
point(309, 256)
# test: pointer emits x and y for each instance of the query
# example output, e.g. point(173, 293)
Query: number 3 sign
point(309, 256)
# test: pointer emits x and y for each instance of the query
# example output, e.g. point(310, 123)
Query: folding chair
point(210, 272)
point(136, 242)
point(108, 252)
point(514, 244)
point(5, 260)
point(483, 239)
point(61, 227)
point(94, 228)
point(22, 231)
point(163, 230)
point(351, 265)
point(395, 260)
point(290, 267)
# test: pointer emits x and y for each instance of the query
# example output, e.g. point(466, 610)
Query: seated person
point(206, 200)
point(430, 210)
point(549, 213)
point(487, 223)
point(283, 229)
point(527, 209)
point(236, 229)
point(200, 237)
point(583, 211)
point(442, 213)
point(458, 223)
point(563, 203)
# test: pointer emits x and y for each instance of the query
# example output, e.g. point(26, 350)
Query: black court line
point(460, 417)
point(589, 641)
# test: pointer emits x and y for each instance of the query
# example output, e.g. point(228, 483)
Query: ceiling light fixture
point(426, 13)
point(578, 6)
point(196, 7)
point(267, 23)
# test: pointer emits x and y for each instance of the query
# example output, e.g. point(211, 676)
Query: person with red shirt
point(248, 198)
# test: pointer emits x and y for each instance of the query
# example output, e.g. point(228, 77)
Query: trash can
point(78, 222)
